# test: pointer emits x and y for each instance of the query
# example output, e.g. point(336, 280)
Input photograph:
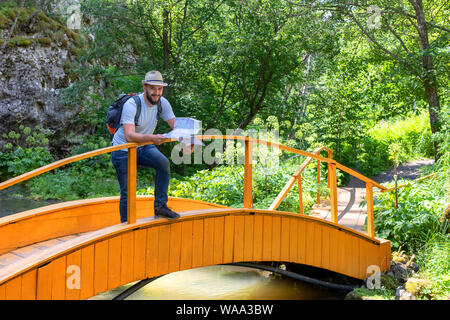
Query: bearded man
point(147, 156)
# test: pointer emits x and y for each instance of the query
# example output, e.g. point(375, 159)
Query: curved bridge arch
point(113, 256)
point(77, 249)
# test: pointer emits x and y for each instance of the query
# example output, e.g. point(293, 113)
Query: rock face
point(30, 82)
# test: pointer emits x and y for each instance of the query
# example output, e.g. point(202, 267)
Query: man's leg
point(120, 161)
point(149, 156)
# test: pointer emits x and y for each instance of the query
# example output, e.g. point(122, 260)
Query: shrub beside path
point(350, 211)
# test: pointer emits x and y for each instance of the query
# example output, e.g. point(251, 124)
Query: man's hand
point(157, 139)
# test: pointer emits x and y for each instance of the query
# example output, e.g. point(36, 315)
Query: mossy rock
point(4, 21)
point(18, 42)
point(46, 42)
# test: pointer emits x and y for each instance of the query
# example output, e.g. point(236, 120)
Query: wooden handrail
point(297, 176)
point(248, 201)
point(407, 184)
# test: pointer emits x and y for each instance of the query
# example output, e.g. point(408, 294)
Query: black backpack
point(115, 111)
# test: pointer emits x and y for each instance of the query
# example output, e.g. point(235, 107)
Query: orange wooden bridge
point(78, 249)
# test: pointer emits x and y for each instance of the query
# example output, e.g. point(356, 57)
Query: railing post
point(330, 156)
point(131, 185)
point(370, 217)
point(318, 181)
point(300, 194)
point(248, 171)
point(333, 192)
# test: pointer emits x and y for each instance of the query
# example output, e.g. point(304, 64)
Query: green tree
point(409, 32)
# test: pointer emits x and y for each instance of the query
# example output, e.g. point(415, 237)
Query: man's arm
point(171, 123)
point(132, 136)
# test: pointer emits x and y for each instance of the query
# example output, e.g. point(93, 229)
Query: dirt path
point(409, 170)
point(350, 213)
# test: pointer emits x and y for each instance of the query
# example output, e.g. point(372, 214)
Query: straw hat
point(154, 78)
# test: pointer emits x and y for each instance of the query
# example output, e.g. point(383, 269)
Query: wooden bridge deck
point(351, 212)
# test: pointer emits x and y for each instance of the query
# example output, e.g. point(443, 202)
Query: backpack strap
point(138, 108)
point(158, 115)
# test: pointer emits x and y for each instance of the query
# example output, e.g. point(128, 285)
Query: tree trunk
point(429, 79)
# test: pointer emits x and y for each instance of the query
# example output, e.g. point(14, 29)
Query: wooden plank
point(197, 243)
point(228, 241)
point(175, 247)
point(333, 234)
point(333, 192)
point(14, 289)
point(3, 291)
point(131, 185)
point(140, 246)
point(238, 238)
point(355, 256)
point(101, 267)
point(208, 241)
point(73, 288)
point(276, 238)
point(325, 258)
point(258, 237)
point(127, 258)
point(248, 175)
point(369, 205)
point(318, 182)
point(151, 263)
point(301, 241)
point(363, 258)
point(163, 249)
point(293, 240)
point(309, 237)
point(248, 238)
point(59, 278)
point(114, 261)
point(186, 245)
point(267, 238)
point(285, 238)
point(87, 272)
point(9, 258)
point(219, 225)
point(318, 246)
point(342, 252)
point(44, 282)
point(374, 255)
point(28, 286)
point(300, 194)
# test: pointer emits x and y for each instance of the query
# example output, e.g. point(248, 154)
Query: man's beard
point(152, 98)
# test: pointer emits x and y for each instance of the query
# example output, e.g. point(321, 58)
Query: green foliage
point(16, 159)
point(417, 218)
point(421, 204)
point(435, 264)
point(411, 136)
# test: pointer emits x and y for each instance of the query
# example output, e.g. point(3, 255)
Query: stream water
point(207, 283)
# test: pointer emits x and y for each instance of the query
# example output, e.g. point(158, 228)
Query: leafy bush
point(16, 160)
point(371, 156)
point(420, 206)
point(435, 263)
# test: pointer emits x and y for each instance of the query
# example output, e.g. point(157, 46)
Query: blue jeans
point(147, 156)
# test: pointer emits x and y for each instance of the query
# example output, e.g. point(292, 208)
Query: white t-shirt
point(147, 120)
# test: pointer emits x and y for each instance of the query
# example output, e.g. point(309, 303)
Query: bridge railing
point(248, 171)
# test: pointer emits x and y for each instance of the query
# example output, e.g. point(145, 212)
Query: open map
point(184, 131)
